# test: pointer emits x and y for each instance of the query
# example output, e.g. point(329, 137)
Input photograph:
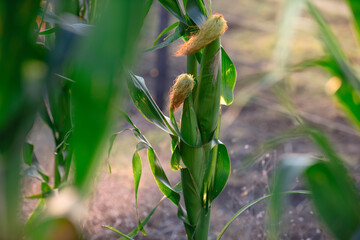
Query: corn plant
point(197, 153)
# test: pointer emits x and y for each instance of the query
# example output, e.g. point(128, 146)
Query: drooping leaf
point(156, 168)
point(137, 171)
point(222, 171)
point(228, 72)
point(145, 103)
point(158, 172)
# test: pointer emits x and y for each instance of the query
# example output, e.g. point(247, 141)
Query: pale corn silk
point(213, 28)
point(184, 84)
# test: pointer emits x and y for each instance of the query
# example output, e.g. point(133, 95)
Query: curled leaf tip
point(213, 28)
point(184, 84)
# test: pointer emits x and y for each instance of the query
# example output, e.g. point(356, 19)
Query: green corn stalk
point(202, 159)
point(198, 125)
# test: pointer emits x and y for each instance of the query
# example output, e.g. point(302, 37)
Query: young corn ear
point(213, 28)
point(183, 86)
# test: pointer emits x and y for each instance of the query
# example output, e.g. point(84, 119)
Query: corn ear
point(207, 102)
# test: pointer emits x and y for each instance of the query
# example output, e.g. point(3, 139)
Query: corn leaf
point(47, 31)
point(174, 8)
point(222, 171)
point(146, 104)
point(196, 10)
point(355, 9)
point(165, 31)
point(118, 232)
point(156, 168)
point(332, 46)
point(159, 174)
point(335, 199)
point(228, 72)
point(97, 84)
point(175, 162)
point(37, 213)
point(169, 39)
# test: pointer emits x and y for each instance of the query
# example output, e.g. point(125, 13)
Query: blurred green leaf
point(335, 198)
point(228, 72)
point(47, 31)
point(28, 153)
point(98, 70)
point(38, 212)
point(355, 9)
point(332, 46)
point(45, 188)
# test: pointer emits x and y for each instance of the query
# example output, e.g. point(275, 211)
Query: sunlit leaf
point(228, 72)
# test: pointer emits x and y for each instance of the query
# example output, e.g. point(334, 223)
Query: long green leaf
point(96, 89)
